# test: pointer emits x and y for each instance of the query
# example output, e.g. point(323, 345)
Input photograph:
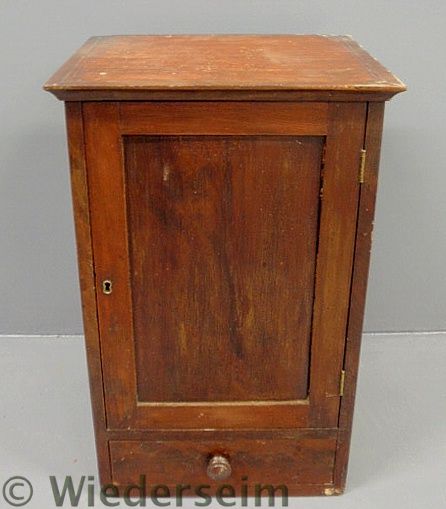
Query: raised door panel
point(222, 233)
point(230, 275)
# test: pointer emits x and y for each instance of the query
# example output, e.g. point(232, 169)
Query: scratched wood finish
point(110, 238)
point(223, 118)
point(372, 143)
point(103, 157)
point(223, 233)
point(81, 208)
point(277, 461)
point(247, 157)
point(152, 435)
point(335, 257)
point(116, 67)
point(106, 131)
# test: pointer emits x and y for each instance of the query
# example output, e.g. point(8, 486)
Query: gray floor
point(398, 457)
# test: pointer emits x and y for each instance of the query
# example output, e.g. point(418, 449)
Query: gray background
point(398, 400)
point(38, 278)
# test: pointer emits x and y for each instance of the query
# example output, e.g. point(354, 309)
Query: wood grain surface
point(363, 243)
point(107, 66)
point(277, 461)
point(223, 234)
point(216, 186)
point(81, 209)
point(199, 200)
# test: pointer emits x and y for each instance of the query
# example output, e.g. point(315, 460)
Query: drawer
point(252, 461)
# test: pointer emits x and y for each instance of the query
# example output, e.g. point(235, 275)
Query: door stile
point(345, 136)
point(109, 226)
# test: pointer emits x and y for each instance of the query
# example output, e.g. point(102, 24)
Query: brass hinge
point(341, 383)
point(362, 157)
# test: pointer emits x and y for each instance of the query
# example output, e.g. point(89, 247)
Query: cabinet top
point(270, 67)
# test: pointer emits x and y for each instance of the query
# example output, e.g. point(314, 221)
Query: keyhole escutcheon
point(107, 286)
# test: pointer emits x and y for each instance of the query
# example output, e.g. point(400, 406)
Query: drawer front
point(252, 462)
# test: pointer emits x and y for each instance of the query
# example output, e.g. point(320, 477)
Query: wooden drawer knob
point(219, 468)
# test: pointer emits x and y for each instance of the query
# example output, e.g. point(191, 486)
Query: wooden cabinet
point(223, 191)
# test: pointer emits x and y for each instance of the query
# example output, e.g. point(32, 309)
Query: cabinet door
point(223, 237)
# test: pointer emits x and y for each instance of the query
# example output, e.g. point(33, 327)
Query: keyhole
point(107, 286)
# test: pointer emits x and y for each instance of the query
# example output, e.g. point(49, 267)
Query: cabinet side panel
point(359, 286)
point(79, 188)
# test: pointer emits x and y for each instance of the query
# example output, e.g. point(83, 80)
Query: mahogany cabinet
point(224, 191)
